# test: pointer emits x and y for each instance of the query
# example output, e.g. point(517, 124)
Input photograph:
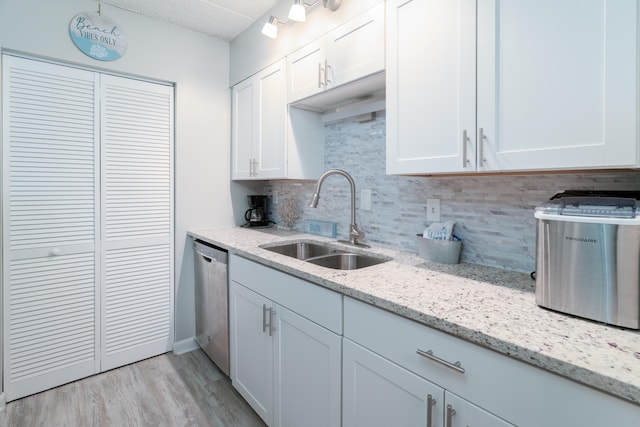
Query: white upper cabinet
point(556, 85)
point(430, 86)
point(351, 51)
point(270, 140)
point(259, 123)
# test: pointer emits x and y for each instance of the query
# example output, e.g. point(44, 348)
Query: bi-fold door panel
point(49, 225)
point(87, 223)
point(137, 200)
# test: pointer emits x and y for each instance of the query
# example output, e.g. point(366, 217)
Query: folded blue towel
point(439, 231)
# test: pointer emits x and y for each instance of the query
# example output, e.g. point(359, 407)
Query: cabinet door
point(557, 83)
point(461, 413)
point(377, 392)
point(243, 129)
point(356, 49)
point(50, 225)
point(137, 220)
point(269, 149)
point(430, 86)
point(259, 114)
point(251, 351)
point(307, 371)
point(306, 70)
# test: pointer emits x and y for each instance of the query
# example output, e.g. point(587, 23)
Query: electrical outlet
point(365, 199)
point(433, 210)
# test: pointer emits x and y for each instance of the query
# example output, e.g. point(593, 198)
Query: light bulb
point(270, 28)
point(297, 12)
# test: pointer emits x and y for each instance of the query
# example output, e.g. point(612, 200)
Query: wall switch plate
point(365, 199)
point(433, 210)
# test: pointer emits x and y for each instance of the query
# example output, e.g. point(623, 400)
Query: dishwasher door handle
point(204, 257)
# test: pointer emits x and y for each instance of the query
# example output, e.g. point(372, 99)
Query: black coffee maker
point(256, 215)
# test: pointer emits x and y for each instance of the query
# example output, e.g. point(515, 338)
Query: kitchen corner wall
point(493, 213)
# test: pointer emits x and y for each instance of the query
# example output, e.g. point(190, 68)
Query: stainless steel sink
point(303, 250)
point(326, 256)
point(347, 261)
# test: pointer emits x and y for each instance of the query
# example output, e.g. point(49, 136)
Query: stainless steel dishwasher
point(212, 302)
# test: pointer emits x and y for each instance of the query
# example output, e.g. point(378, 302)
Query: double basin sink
point(326, 255)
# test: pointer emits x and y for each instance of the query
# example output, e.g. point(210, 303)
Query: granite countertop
point(487, 306)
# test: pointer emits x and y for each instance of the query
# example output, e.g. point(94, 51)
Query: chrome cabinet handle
point(271, 314)
point(430, 404)
point(481, 158)
point(266, 325)
point(321, 83)
point(327, 67)
point(253, 167)
point(457, 366)
point(450, 413)
point(264, 317)
point(464, 149)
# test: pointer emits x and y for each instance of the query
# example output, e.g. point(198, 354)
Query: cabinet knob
point(54, 252)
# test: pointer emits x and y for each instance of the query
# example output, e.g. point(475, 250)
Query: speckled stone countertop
point(487, 306)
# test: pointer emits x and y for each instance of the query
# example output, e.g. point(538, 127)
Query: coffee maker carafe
point(256, 215)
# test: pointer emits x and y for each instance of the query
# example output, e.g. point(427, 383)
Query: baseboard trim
point(185, 346)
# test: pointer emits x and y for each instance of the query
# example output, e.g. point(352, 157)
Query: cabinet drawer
point(314, 302)
point(513, 390)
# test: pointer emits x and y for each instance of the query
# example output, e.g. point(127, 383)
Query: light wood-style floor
point(167, 390)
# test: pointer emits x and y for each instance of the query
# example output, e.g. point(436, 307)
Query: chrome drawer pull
point(429, 355)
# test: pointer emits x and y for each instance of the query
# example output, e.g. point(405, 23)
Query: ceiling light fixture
point(270, 28)
point(297, 12)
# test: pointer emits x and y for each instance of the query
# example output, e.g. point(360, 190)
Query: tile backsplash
point(493, 213)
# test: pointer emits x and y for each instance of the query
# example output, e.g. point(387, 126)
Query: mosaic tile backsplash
point(493, 213)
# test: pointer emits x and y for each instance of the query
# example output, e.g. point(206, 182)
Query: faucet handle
point(354, 233)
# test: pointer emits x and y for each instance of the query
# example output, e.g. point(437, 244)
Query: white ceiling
point(223, 19)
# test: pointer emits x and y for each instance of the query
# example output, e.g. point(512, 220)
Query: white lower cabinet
point(378, 392)
point(285, 365)
point(385, 378)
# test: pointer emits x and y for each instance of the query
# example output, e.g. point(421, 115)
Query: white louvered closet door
point(50, 219)
point(137, 222)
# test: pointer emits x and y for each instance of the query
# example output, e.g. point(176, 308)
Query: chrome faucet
point(354, 233)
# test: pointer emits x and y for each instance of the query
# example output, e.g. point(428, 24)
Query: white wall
point(199, 65)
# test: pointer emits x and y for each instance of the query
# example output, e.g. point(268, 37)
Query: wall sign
point(97, 36)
